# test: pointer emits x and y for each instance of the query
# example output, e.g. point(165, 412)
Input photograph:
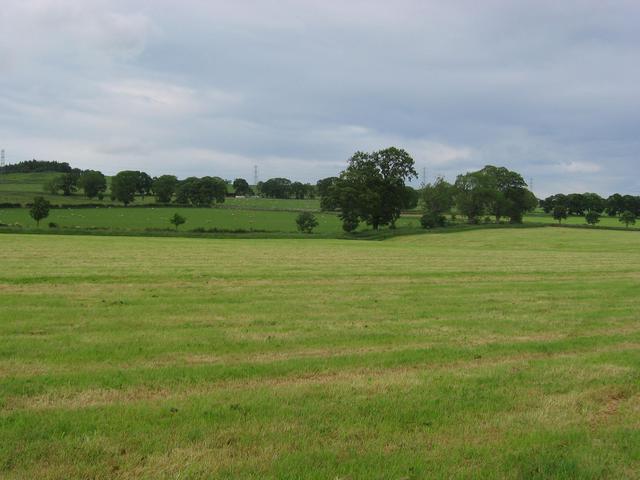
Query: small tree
point(306, 222)
point(628, 218)
point(592, 217)
point(40, 209)
point(560, 213)
point(177, 220)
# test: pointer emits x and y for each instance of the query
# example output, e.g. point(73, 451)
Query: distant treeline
point(35, 166)
point(127, 184)
point(582, 203)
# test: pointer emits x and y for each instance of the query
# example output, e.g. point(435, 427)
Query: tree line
point(126, 185)
point(583, 203)
point(372, 190)
point(36, 166)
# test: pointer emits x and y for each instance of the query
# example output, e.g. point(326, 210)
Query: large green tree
point(324, 187)
point(93, 183)
point(124, 186)
point(372, 188)
point(437, 200)
point(164, 187)
point(474, 193)
point(144, 185)
point(511, 197)
point(494, 190)
point(276, 188)
point(241, 187)
point(67, 183)
point(201, 191)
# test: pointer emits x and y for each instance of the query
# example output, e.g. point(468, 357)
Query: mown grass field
point(509, 353)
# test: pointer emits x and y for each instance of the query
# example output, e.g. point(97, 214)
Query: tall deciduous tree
point(164, 187)
point(93, 183)
point(144, 184)
point(276, 188)
point(241, 187)
point(372, 188)
point(124, 186)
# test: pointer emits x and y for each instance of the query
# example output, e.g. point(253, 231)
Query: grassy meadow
point(510, 353)
point(141, 218)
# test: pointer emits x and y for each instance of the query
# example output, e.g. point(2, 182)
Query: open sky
point(207, 87)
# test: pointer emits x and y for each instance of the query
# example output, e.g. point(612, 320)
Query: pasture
point(510, 353)
point(157, 218)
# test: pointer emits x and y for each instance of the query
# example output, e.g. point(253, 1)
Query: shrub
point(53, 225)
point(592, 217)
point(306, 222)
point(349, 224)
point(431, 220)
point(177, 220)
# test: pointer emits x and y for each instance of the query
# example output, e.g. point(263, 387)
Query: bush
point(349, 224)
point(432, 220)
point(592, 218)
point(53, 225)
point(306, 222)
point(177, 220)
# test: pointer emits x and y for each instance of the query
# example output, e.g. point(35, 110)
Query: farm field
point(541, 217)
point(510, 353)
point(22, 187)
point(141, 218)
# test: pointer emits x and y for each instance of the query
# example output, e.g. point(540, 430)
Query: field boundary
point(379, 235)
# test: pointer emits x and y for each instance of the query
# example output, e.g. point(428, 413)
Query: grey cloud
point(214, 87)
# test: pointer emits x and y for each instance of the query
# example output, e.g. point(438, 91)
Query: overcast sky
point(205, 87)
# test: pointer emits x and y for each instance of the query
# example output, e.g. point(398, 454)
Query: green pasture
point(23, 187)
point(496, 353)
point(142, 218)
point(541, 217)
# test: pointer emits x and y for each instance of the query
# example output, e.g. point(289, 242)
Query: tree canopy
point(93, 183)
point(39, 209)
point(372, 188)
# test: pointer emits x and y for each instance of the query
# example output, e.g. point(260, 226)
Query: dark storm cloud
point(200, 87)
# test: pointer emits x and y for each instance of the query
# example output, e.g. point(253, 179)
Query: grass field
point(141, 218)
point(22, 187)
point(507, 353)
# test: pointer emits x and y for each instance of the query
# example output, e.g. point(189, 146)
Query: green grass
point(22, 187)
point(141, 218)
point(498, 353)
point(542, 217)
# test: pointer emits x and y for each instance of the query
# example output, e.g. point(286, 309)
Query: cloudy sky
point(206, 87)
